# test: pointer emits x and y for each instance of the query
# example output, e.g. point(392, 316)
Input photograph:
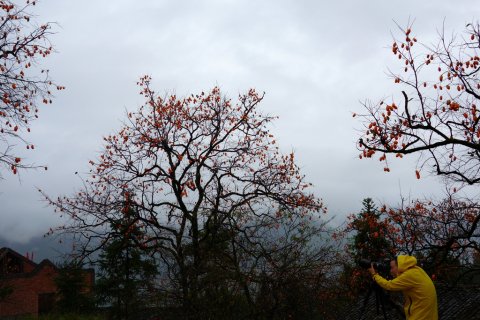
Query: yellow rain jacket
point(417, 288)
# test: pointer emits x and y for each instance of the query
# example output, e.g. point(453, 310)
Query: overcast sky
point(315, 60)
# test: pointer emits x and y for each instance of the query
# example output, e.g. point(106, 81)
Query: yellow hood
point(405, 262)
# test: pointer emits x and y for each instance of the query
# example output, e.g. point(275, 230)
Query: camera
point(382, 267)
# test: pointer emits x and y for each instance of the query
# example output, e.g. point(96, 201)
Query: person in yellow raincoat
point(416, 286)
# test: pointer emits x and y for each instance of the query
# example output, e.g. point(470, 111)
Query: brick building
point(29, 288)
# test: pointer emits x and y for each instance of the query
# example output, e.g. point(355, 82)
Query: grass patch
point(66, 317)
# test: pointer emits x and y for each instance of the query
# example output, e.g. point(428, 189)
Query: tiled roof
point(454, 303)
point(24, 260)
point(459, 303)
point(371, 307)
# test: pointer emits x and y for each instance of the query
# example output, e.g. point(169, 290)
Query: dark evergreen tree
point(127, 273)
point(73, 294)
point(370, 241)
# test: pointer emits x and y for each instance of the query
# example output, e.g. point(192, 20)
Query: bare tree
point(190, 168)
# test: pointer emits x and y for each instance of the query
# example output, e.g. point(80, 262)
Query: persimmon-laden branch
point(439, 231)
point(440, 118)
point(23, 86)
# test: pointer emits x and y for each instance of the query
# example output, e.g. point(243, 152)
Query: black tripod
point(380, 299)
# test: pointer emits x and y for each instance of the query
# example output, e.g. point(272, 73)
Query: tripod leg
point(365, 302)
point(379, 295)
